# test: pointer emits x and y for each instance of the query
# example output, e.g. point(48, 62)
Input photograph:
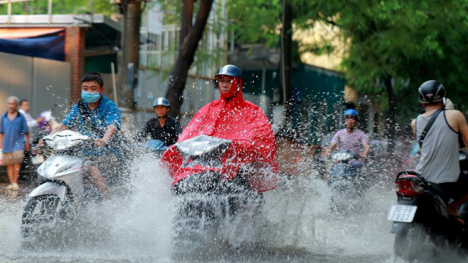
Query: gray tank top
point(439, 153)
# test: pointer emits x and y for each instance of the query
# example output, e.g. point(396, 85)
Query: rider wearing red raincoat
point(233, 118)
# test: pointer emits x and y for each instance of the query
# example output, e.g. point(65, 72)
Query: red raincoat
point(253, 141)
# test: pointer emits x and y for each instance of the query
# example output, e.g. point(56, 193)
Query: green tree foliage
point(62, 7)
point(256, 21)
point(392, 42)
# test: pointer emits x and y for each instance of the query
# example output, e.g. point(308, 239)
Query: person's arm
point(462, 126)
point(334, 142)
point(25, 131)
point(365, 145)
point(60, 128)
point(110, 132)
point(70, 121)
point(366, 149)
point(460, 121)
point(413, 126)
point(329, 150)
point(30, 121)
point(113, 123)
point(26, 145)
point(1, 140)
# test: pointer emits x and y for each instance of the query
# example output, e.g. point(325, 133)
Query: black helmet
point(431, 91)
point(230, 70)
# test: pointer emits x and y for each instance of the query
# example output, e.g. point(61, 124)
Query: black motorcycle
point(424, 230)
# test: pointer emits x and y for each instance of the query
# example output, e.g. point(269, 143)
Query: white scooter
point(62, 189)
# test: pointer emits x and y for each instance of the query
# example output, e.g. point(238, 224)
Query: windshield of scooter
point(65, 140)
point(203, 150)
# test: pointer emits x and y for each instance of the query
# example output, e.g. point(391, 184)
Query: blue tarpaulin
point(50, 47)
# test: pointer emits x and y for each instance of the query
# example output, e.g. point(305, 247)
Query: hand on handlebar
point(100, 142)
point(326, 153)
point(40, 143)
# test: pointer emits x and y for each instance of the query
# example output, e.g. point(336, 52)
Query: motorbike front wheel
point(39, 215)
point(412, 244)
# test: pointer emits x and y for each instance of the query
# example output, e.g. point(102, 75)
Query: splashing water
point(295, 225)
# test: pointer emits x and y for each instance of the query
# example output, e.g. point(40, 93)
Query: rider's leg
point(99, 180)
point(459, 193)
point(453, 206)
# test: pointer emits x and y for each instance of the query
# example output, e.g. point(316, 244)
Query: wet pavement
point(297, 226)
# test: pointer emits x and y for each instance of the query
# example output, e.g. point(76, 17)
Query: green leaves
point(62, 7)
point(412, 41)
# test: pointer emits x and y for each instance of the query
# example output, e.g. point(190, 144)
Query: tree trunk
point(130, 54)
point(391, 120)
point(286, 61)
point(189, 38)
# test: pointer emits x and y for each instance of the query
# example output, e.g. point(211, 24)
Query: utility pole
point(131, 10)
point(286, 60)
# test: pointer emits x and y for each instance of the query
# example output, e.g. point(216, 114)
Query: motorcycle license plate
point(402, 213)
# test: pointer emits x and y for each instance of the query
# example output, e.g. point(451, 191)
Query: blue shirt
point(14, 132)
point(104, 115)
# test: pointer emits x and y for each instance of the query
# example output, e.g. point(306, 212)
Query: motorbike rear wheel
point(412, 244)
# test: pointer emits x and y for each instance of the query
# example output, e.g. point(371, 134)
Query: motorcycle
point(346, 181)
point(424, 230)
point(208, 194)
point(63, 187)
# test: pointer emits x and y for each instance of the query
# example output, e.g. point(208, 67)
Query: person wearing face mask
point(162, 128)
point(98, 117)
point(233, 118)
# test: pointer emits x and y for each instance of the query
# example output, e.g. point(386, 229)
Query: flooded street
point(296, 226)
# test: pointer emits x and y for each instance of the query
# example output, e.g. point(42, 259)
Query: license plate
point(402, 213)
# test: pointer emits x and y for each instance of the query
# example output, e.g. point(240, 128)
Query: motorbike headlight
point(201, 145)
point(341, 156)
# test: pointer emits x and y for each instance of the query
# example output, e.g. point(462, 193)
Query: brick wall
point(74, 53)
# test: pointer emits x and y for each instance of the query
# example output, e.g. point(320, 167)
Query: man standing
point(439, 161)
point(162, 128)
point(24, 109)
point(14, 141)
